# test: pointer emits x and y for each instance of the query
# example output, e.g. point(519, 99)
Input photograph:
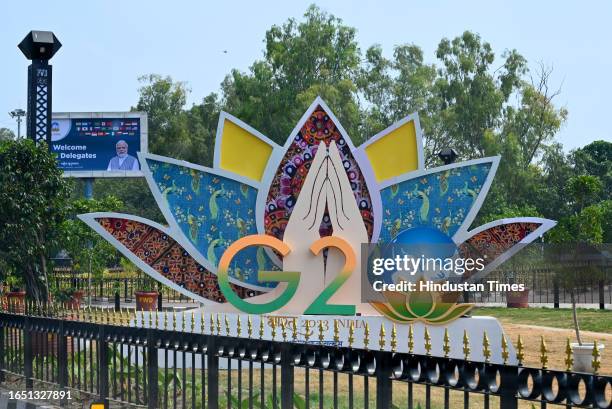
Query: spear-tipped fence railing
point(137, 359)
point(105, 289)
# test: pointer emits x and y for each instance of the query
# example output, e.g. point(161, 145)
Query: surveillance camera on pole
point(447, 155)
point(18, 114)
point(39, 47)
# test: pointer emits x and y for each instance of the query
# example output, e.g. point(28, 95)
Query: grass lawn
point(589, 319)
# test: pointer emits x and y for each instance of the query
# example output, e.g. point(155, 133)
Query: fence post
point(103, 364)
point(286, 377)
point(2, 368)
point(384, 386)
point(62, 357)
point(602, 299)
point(117, 301)
point(508, 387)
point(28, 356)
point(152, 368)
point(125, 289)
point(212, 363)
point(556, 293)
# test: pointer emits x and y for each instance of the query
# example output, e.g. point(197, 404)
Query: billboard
point(99, 144)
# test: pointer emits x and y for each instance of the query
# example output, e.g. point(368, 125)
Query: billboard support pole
point(89, 182)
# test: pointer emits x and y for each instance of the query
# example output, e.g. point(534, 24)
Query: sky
point(107, 45)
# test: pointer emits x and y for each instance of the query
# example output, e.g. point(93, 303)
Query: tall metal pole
point(39, 47)
point(89, 195)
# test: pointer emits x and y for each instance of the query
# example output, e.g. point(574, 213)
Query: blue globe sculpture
point(417, 242)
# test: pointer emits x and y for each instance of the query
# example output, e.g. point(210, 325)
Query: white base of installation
point(475, 327)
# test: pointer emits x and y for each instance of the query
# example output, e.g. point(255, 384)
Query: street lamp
point(39, 47)
point(18, 113)
point(447, 155)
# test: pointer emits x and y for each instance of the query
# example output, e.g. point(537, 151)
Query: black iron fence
point(543, 287)
point(203, 366)
point(105, 289)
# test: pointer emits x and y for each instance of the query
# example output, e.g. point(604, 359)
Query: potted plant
point(69, 298)
point(517, 299)
point(15, 296)
point(146, 296)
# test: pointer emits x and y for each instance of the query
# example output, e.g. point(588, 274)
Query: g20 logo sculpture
point(279, 228)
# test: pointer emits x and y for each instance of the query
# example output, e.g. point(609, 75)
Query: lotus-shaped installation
point(253, 188)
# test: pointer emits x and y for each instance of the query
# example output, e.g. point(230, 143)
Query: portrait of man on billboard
point(123, 161)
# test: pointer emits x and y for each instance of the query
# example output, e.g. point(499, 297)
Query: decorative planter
point(146, 300)
point(16, 301)
point(517, 299)
point(75, 301)
point(583, 356)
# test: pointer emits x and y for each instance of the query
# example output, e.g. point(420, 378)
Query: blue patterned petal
point(445, 198)
point(212, 211)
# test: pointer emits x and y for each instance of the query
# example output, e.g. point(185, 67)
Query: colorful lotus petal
point(421, 306)
point(254, 184)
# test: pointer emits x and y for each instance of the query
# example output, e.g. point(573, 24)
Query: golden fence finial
point(520, 348)
point(307, 328)
point(393, 338)
point(351, 337)
point(294, 330)
point(202, 322)
point(283, 325)
point(273, 325)
point(543, 353)
point(227, 326)
point(192, 321)
point(174, 320)
point(166, 320)
point(486, 350)
point(596, 362)
point(446, 343)
point(184, 321)
point(238, 326)
point(410, 339)
point(569, 356)
point(261, 327)
point(150, 319)
point(427, 342)
point(212, 325)
point(336, 332)
point(321, 336)
point(218, 325)
point(505, 354)
point(366, 335)
point(466, 345)
point(381, 336)
point(250, 327)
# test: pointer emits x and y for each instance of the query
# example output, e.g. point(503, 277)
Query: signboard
point(99, 144)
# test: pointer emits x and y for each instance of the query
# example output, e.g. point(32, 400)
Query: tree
point(33, 204)
point(595, 159)
point(318, 56)
point(396, 88)
point(472, 94)
point(6, 134)
point(88, 250)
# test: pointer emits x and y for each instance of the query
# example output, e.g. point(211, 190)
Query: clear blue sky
point(108, 44)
